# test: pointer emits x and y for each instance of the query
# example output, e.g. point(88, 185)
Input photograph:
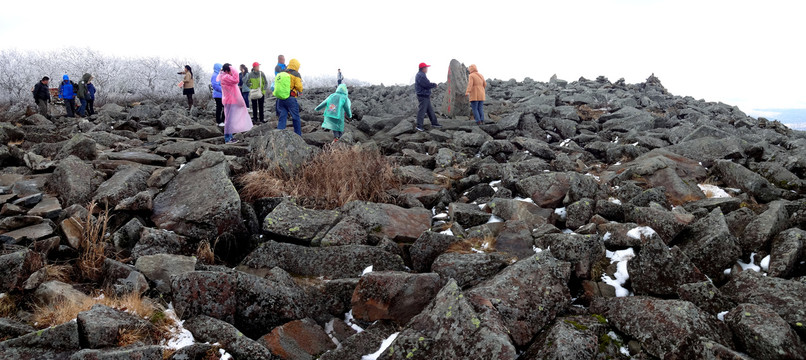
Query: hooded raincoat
point(336, 106)
point(296, 78)
point(476, 85)
point(236, 116)
point(83, 93)
point(215, 82)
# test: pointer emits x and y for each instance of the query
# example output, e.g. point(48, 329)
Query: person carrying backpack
point(67, 92)
point(280, 67)
point(83, 94)
point(287, 87)
point(216, 84)
point(257, 91)
point(42, 96)
point(91, 99)
point(336, 106)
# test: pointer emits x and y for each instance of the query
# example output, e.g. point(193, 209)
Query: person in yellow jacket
point(476, 91)
point(290, 106)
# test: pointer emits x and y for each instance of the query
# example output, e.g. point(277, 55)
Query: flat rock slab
point(138, 157)
point(31, 233)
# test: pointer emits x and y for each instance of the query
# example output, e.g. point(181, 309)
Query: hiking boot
point(419, 129)
point(437, 126)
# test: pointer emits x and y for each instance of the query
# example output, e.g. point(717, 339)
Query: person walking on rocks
point(336, 107)
point(476, 92)
point(339, 78)
point(83, 94)
point(188, 85)
point(423, 86)
point(67, 92)
point(91, 99)
point(42, 96)
point(219, 107)
point(257, 92)
point(287, 87)
point(244, 84)
point(280, 67)
point(235, 113)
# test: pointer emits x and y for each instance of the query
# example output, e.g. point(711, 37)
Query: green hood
point(342, 89)
point(86, 78)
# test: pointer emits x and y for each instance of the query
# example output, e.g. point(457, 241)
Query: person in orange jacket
point(476, 91)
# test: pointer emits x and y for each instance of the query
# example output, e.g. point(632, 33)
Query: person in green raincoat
point(336, 107)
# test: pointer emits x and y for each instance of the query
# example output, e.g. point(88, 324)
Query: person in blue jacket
point(91, 99)
point(67, 92)
point(219, 106)
point(423, 86)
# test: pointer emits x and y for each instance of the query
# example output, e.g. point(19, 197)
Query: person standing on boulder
point(476, 92)
point(423, 86)
point(236, 114)
point(244, 84)
point(280, 67)
point(42, 96)
point(187, 86)
point(91, 98)
point(67, 92)
point(219, 107)
point(257, 81)
point(83, 94)
point(288, 86)
point(336, 107)
point(339, 78)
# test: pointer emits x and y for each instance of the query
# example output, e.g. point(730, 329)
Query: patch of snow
point(548, 137)
point(561, 213)
point(224, 355)
point(447, 232)
point(536, 249)
point(593, 176)
point(624, 351)
point(348, 318)
point(565, 143)
point(384, 345)
point(568, 231)
point(721, 316)
point(495, 219)
point(734, 190)
point(751, 265)
point(640, 231)
point(2, 295)
point(180, 337)
point(614, 200)
point(634, 144)
point(765, 263)
point(180, 167)
point(481, 206)
point(715, 191)
point(330, 332)
point(367, 270)
point(433, 211)
point(529, 200)
point(441, 216)
point(617, 164)
point(606, 236)
point(620, 257)
point(615, 141)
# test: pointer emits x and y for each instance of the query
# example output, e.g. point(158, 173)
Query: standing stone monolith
point(455, 103)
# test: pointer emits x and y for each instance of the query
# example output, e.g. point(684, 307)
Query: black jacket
point(422, 86)
point(41, 92)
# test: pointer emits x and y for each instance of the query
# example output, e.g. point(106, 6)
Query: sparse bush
point(93, 244)
point(64, 311)
point(336, 176)
point(205, 253)
point(483, 243)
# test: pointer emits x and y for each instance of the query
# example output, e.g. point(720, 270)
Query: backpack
point(282, 86)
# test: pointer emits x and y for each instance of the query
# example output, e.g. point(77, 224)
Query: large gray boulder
point(763, 334)
point(159, 268)
point(710, 245)
point(74, 181)
point(211, 330)
point(785, 297)
point(455, 103)
point(305, 226)
point(764, 227)
point(127, 182)
point(787, 248)
point(200, 202)
point(738, 176)
point(281, 149)
point(101, 326)
point(393, 295)
point(658, 270)
point(469, 269)
point(80, 146)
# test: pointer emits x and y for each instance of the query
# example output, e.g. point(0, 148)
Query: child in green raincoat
point(336, 107)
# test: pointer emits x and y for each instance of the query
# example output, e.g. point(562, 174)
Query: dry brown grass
point(587, 114)
point(128, 337)
point(61, 273)
point(64, 311)
point(333, 178)
point(204, 253)
point(93, 244)
point(472, 245)
point(8, 306)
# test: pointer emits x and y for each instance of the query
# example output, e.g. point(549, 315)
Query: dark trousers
point(425, 107)
point(190, 100)
point(219, 111)
point(257, 108)
point(287, 107)
point(90, 107)
point(478, 110)
point(82, 110)
point(277, 107)
point(43, 107)
point(70, 106)
point(246, 98)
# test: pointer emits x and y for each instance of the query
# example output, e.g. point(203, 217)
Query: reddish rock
point(298, 340)
point(393, 295)
point(394, 222)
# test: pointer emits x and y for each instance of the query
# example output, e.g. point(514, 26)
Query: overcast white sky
point(746, 53)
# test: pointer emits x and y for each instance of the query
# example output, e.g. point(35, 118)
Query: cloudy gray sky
point(746, 53)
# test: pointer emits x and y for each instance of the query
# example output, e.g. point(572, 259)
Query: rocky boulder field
point(584, 220)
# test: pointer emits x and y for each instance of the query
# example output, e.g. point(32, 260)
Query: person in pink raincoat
point(236, 115)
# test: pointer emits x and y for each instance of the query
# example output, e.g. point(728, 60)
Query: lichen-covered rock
point(763, 334)
point(299, 339)
point(710, 245)
point(16, 267)
point(394, 222)
point(305, 226)
point(787, 248)
point(662, 326)
point(428, 247)
point(153, 352)
point(659, 271)
point(332, 262)
point(450, 328)
point(101, 326)
point(211, 330)
point(127, 182)
point(582, 251)
point(74, 181)
point(469, 269)
point(393, 295)
point(281, 149)
point(786, 297)
point(205, 293)
point(526, 296)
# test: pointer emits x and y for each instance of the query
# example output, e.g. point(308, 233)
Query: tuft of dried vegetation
point(63, 311)
point(8, 306)
point(485, 243)
point(334, 177)
point(93, 244)
point(205, 254)
point(61, 273)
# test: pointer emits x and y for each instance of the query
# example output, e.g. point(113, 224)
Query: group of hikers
point(237, 91)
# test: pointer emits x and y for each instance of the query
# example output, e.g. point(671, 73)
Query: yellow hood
point(293, 65)
point(472, 68)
